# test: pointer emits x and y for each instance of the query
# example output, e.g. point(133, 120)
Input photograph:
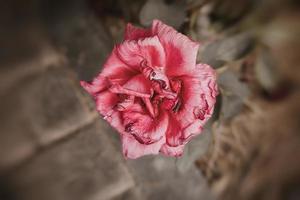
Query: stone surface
point(25, 47)
point(79, 34)
point(11, 74)
point(21, 36)
point(39, 110)
point(16, 144)
point(57, 110)
point(84, 166)
point(159, 178)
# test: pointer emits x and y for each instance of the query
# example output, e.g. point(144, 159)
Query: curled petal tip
point(85, 85)
point(90, 88)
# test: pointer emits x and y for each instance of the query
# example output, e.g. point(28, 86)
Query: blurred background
point(54, 146)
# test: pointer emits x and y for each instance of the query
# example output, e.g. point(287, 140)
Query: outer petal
point(172, 151)
point(133, 149)
point(105, 103)
point(116, 70)
point(181, 52)
point(99, 84)
point(198, 95)
point(134, 53)
point(211, 77)
point(135, 33)
point(208, 78)
point(145, 129)
point(159, 127)
point(115, 121)
point(174, 132)
point(192, 130)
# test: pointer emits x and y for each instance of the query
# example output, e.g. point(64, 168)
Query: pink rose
point(152, 91)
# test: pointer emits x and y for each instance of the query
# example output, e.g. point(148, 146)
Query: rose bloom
point(152, 91)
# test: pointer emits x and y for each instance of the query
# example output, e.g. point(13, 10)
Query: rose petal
point(135, 52)
point(192, 130)
point(158, 128)
point(118, 89)
point(181, 52)
point(139, 84)
point(105, 103)
point(145, 129)
point(114, 119)
point(98, 84)
point(174, 132)
point(198, 95)
point(208, 77)
point(133, 149)
point(172, 151)
point(135, 33)
point(125, 103)
point(116, 70)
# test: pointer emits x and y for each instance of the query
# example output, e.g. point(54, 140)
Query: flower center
point(165, 91)
point(141, 109)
